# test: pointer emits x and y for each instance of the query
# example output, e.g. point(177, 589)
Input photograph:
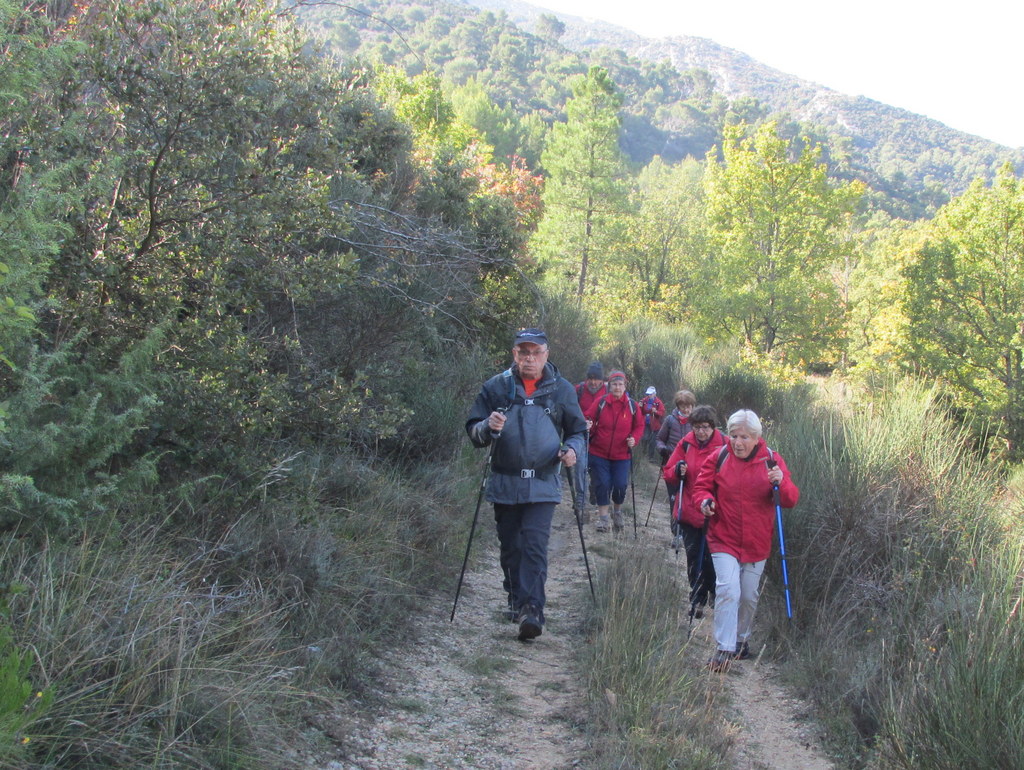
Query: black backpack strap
point(721, 457)
point(545, 402)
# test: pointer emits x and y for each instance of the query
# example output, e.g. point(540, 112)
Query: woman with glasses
point(683, 465)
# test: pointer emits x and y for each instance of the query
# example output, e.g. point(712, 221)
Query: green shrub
point(668, 357)
point(69, 447)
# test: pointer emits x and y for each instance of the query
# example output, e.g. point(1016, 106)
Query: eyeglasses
point(520, 353)
point(703, 428)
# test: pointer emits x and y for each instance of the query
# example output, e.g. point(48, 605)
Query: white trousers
point(737, 588)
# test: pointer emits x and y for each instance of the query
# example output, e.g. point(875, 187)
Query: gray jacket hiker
point(524, 464)
point(530, 417)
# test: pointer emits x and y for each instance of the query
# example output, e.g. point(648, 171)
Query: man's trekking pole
point(632, 490)
point(472, 529)
point(698, 578)
point(782, 541)
point(579, 525)
point(584, 489)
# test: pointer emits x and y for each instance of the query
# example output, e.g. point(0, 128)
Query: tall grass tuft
point(655, 354)
point(648, 705)
point(898, 563)
point(157, 644)
point(149, 662)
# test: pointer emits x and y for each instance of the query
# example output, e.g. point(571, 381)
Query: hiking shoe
point(601, 528)
point(529, 623)
point(719, 662)
point(616, 529)
point(742, 652)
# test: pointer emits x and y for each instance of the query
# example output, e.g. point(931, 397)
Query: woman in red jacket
point(684, 465)
point(616, 426)
point(734, 491)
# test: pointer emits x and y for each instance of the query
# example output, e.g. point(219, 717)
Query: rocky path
point(467, 694)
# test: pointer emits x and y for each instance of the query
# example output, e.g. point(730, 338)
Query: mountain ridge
point(870, 124)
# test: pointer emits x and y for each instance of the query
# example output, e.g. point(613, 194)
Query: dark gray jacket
point(524, 458)
point(672, 431)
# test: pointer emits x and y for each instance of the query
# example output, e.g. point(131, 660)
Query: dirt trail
point(469, 695)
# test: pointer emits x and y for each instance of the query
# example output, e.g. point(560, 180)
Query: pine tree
point(585, 194)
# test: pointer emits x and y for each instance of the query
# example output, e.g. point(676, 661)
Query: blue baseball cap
point(536, 336)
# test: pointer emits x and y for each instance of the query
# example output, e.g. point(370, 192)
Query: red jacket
point(653, 407)
point(586, 398)
point(694, 455)
point(744, 509)
point(613, 423)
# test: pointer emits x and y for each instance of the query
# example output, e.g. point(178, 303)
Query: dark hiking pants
point(702, 586)
point(523, 532)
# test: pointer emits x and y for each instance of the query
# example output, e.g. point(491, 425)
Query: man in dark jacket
point(530, 416)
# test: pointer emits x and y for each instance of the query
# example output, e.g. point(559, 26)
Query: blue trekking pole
point(782, 540)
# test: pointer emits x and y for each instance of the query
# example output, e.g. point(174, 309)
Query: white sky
point(959, 63)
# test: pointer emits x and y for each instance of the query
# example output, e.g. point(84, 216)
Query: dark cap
point(536, 336)
point(595, 371)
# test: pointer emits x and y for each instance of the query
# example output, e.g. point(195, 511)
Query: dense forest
point(909, 164)
point(907, 157)
point(257, 259)
point(655, 184)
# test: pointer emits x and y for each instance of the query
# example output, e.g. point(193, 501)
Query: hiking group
point(724, 489)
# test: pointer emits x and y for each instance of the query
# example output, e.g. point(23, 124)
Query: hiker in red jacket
point(616, 426)
point(654, 410)
point(588, 392)
point(734, 492)
point(684, 464)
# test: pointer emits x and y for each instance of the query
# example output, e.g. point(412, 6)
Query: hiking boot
point(616, 529)
point(601, 527)
point(529, 623)
point(617, 519)
point(742, 652)
point(719, 662)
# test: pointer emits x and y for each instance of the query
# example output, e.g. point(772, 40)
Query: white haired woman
point(735, 493)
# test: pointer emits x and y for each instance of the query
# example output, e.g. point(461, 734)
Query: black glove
point(680, 469)
point(664, 452)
